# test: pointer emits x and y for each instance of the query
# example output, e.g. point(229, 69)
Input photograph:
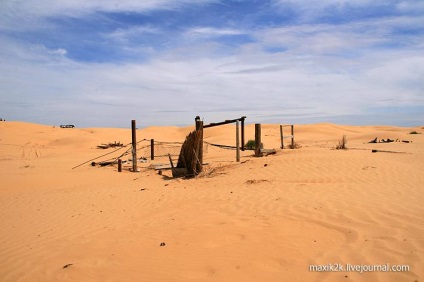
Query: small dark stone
point(162, 244)
point(265, 164)
point(67, 265)
point(160, 172)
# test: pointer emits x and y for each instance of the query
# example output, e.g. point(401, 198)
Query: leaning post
point(292, 136)
point(134, 146)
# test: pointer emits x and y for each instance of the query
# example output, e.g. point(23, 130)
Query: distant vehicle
point(2, 119)
point(67, 126)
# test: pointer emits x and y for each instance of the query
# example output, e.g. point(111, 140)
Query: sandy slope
point(264, 219)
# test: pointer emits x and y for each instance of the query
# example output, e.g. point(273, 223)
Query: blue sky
point(162, 62)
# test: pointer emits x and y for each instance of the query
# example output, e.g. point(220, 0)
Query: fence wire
point(163, 149)
point(217, 153)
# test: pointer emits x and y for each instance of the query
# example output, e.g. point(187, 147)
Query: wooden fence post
point(197, 122)
point(152, 149)
point(237, 142)
point(242, 133)
point(134, 146)
point(282, 137)
point(119, 165)
point(292, 136)
point(199, 127)
point(257, 140)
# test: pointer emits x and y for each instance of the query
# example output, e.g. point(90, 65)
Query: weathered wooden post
point(292, 136)
point(257, 140)
point(152, 149)
point(237, 142)
point(134, 146)
point(282, 137)
point(119, 165)
point(199, 127)
point(242, 132)
point(196, 122)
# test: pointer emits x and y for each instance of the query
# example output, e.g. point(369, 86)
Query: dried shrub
point(342, 143)
point(295, 145)
point(210, 171)
point(191, 152)
point(256, 181)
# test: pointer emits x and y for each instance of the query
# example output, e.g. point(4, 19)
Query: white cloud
point(326, 38)
point(78, 7)
point(310, 10)
point(112, 94)
point(315, 73)
point(44, 51)
point(23, 14)
point(317, 5)
point(210, 31)
point(415, 6)
point(133, 31)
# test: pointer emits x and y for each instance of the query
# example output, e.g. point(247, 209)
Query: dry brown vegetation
point(342, 143)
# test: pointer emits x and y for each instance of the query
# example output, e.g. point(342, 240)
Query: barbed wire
point(162, 149)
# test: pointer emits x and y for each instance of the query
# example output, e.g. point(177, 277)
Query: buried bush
point(414, 132)
point(342, 143)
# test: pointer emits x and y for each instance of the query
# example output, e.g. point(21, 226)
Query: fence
point(154, 150)
point(292, 146)
point(160, 149)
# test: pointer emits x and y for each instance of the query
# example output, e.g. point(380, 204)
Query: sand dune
point(264, 219)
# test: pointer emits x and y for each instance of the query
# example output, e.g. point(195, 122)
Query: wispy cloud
point(122, 34)
point(17, 15)
point(211, 31)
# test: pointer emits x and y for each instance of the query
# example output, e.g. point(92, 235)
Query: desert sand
point(263, 219)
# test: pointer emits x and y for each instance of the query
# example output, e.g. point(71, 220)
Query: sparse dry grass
point(210, 171)
point(256, 181)
point(342, 143)
point(295, 146)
